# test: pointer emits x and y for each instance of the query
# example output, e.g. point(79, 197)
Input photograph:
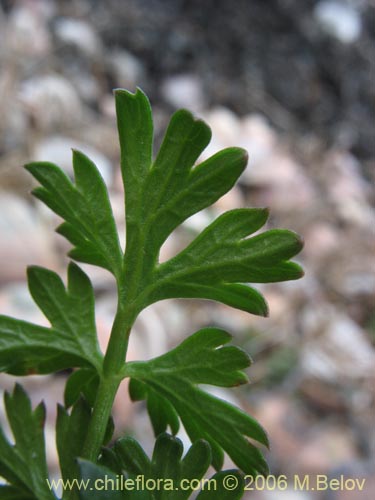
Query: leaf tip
point(301, 243)
point(245, 155)
point(31, 273)
point(266, 211)
point(263, 310)
point(31, 168)
point(138, 94)
point(76, 153)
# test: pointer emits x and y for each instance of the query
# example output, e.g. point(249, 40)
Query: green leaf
point(24, 463)
point(203, 358)
point(72, 309)
point(92, 475)
point(162, 413)
point(219, 256)
point(27, 349)
point(163, 193)
point(242, 297)
point(167, 476)
point(89, 224)
point(71, 431)
point(166, 464)
point(71, 342)
point(135, 128)
point(159, 196)
point(12, 493)
point(81, 382)
point(131, 457)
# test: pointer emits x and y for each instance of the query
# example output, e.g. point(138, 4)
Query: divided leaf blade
point(24, 463)
point(135, 126)
point(85, 207)
point(204, 358)
point(72, 339)
point(27, 349)
point(161, 195)
point(167, 468)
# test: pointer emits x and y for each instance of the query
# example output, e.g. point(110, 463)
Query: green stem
point(113, 362)
point(99, 419)
point(115, 355)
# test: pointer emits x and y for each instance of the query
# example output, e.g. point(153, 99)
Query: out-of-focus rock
point(323, 396)
point(284, 423)
point(339, 19)
point(281, 182)
point(276, 169)
point(322, 239)
point(259, 139)
point(88, 88)
point(233, 199)
point(51, 101)
point(336, 348)
point(252, 133)
point(226, 130)
point(347, 189)
point(352, 275)
point(16, 301)
point(356, 494)
point(80, 35)
point(287, 494)
point(127, 70)
point(184, 91)
point(315, 447)
point(58, 149)
point(359, 282)
point(290, 189)
point(324, 448)
point(199, 221)
point(24, 240)
point(14, 130)
point(27, 37)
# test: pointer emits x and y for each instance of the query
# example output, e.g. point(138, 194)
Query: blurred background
point(292, 82)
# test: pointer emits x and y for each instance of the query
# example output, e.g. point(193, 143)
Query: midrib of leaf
point(107, 254)
point(134, 270)
point(172, 201)
point(215, 243)
point(191, 184)
point(86, 228)
point(215, 247)
point(70, 325)
point(34, 475)
point(50, 331)
point(130, 369)
point(181, 273)
point(29, 473)
point(23, 474)
point(171, 174)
